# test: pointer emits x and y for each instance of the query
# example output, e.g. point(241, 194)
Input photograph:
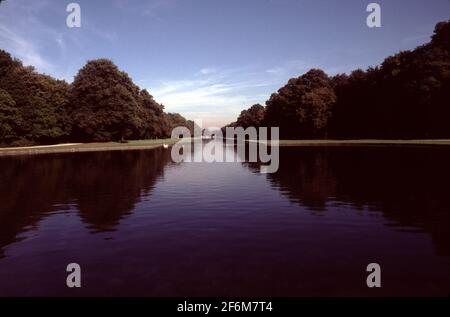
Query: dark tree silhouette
point(302, 107)
point(9, 117)
point(405, 97)
point(252, 117)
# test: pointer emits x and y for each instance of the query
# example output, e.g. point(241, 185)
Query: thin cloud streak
point(216, 97)
point(23, 49)
point(27, 37)
point(291, 67)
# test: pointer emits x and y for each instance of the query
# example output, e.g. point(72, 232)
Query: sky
point(210, 59)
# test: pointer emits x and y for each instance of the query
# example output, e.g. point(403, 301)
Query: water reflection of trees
point(104, 187)
point(408, 185)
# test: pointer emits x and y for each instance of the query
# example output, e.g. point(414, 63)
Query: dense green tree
point(41, 102)
point(173, 120)
point(441, 36)
point(9, 118)
point(302, 108)
point(107, 106)
point(252, 117)
point(104, 103)
point(152, 114)
point(407, 96)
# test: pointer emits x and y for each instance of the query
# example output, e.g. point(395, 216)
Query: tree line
point(407, 96)
point(102, 104)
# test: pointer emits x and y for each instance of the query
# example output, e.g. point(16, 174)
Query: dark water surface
point(139, 224)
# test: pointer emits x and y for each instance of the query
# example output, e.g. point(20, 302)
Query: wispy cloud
point(150, 9)
point(48, 45)
point(295, 68)
point(207, 70)
point(107, 35)
point(23, 49)
point(288, 68)
point(217, 97)
point(24, 35)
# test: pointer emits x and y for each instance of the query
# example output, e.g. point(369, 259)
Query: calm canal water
point(140, 225)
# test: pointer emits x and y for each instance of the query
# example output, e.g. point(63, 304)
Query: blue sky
point(210, 59)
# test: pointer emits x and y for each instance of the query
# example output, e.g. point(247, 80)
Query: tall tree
point(40, 99)
point(9, 118)
point(105, 103)
point(152, 114)
point(102, 104)
point(252, 117)
point(302, 108)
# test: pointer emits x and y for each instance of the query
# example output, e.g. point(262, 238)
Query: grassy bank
point(150, 144)
point(361, 142)
point(85, 147)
